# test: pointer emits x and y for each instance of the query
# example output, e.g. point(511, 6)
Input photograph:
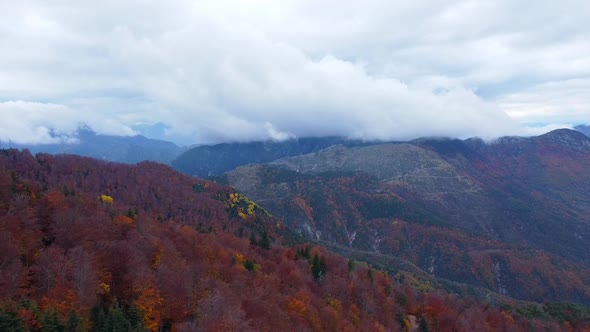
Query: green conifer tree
point(315, 267)
point(10, 321)
point(264, 241)
point(51, 322)
point(322, 267)
point(116, 319)
point(423, 325)
point(73, 322)
point(253, 241)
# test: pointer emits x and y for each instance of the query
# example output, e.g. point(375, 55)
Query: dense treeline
point(88, 245)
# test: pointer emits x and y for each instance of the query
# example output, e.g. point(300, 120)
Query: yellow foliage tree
point(334, 303)
point(239, 259)
point(106, 199)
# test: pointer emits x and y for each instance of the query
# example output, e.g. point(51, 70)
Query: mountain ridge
point(524, 192)
point(125, 149)
point(214, 160)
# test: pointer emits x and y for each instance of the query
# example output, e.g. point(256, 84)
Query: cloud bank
point(235, 71)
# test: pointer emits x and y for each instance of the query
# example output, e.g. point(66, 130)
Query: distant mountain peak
point(568, 138)
point(562, 132)
point(584, 129)
point(126, 149)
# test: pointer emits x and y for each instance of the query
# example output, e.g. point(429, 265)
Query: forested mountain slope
point(90, 245)
point(512, 216)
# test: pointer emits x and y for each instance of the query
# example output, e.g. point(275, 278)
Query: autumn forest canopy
point(300, 165)
point(91, 245)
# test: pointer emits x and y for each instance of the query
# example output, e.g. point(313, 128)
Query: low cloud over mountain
point(237, 72)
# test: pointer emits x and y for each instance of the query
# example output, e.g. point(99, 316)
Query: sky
point(202, 72)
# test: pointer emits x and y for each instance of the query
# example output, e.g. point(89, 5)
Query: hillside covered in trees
point(91, 245)
point(511, 216)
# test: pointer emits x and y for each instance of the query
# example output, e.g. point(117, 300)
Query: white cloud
point(275, 135)
point(566, 101)
point(32, 123)
point(228, 71)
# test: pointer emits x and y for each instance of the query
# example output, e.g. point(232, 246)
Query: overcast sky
point(213, 71)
